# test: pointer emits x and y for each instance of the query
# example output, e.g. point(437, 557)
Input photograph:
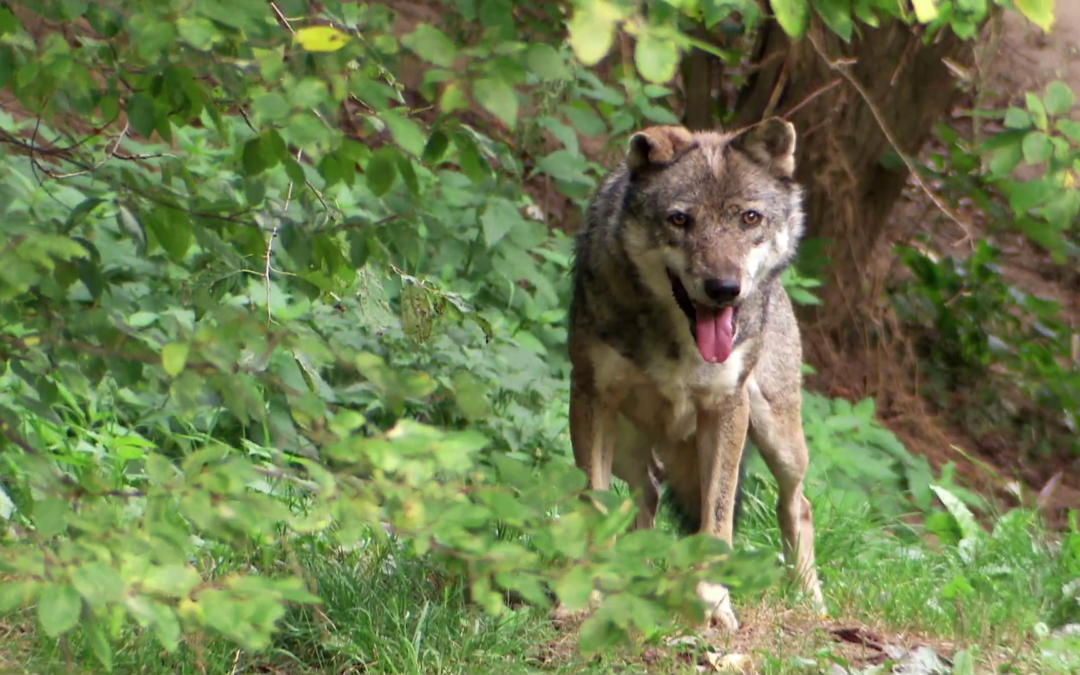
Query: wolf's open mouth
point(713, 328)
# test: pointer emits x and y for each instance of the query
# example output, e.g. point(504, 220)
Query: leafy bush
point(1024, 179)
point(254, 290)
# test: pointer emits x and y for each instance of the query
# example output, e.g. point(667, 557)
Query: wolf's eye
point(679, 219)
point(751, 218)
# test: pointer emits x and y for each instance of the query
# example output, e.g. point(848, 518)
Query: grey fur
point(716, 212)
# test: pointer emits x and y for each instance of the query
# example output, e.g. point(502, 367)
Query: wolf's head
point(712, 218)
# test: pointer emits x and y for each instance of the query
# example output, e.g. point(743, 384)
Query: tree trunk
point(700, 71)
point(850, 190)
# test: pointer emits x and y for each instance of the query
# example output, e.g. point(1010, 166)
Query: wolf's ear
point(656, 145)
point(770, 142)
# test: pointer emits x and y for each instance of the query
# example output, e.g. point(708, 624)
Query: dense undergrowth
point(241, 347)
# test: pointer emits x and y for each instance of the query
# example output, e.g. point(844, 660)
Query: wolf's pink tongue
point(715, 333)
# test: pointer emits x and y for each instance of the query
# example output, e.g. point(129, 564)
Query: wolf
point(682, 339)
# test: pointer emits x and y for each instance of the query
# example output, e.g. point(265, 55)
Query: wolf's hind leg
point(635, 464)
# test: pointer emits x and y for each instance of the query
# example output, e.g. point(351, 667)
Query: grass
point(388, 613)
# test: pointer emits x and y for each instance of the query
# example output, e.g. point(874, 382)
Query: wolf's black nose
point(722, 290)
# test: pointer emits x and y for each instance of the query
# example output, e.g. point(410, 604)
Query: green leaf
point(1004, 159)
point(1017, 118)
point(254, 157)
point(270, 107)
point(15, 594)
point(131, 226)
point(50, 516)
point(8, 22)
point(598, 633)
point(792, 15)
point(1059, 98)
point(963, 663)
point(837, 15)
point(166, 625)
point(1037, 111)
point(1069, 129)
point(1037, 147)
point(59, 609)
point(142, 115)
point(1038, 12)
point(864, 409)
point(197, 32)
point(965, 520)
point(431, 44)
point(1028, 194)
point(499, 217)
point(416, 312)
point(408, 174)
point(174, 580)
point(453, 98)
point(566, 166)
point(97, 582)
point(1063, 207)
point(405, 132)
point(498, 98)
point(294, 171)
point(656, 57)
point(592, 30)
point(575, 587)
point(546, 63)
point(925, 10)
point(435, 148)
point(99, 643)
point(174, 357)
point(957, 587)
point(155, 39)
point(172, 229)
point(381, 170)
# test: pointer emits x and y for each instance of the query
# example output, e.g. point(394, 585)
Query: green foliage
point(256, 293)
point(981, 324)
point(228, 323)
point(860, 461)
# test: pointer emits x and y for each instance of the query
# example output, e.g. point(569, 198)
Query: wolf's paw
point(719, 612)
point(822, 611)
point(560, 614)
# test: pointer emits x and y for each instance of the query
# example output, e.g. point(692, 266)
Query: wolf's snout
point(722, 290)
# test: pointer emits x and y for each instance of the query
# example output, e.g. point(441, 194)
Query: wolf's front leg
point(721, 433)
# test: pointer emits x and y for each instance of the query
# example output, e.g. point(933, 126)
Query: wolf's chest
point(662, 398)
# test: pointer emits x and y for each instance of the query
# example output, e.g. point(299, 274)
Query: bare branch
point(841, 66)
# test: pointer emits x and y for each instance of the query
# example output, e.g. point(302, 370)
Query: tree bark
point(850, 190)
point(701, 71)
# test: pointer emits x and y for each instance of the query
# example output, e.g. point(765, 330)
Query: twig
point(235, 662)
point(774, 98)
point(811, 97)
point(840, 67)
point(913, 39)
point(115, 152)
point(281, 17)
point(270, 246)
